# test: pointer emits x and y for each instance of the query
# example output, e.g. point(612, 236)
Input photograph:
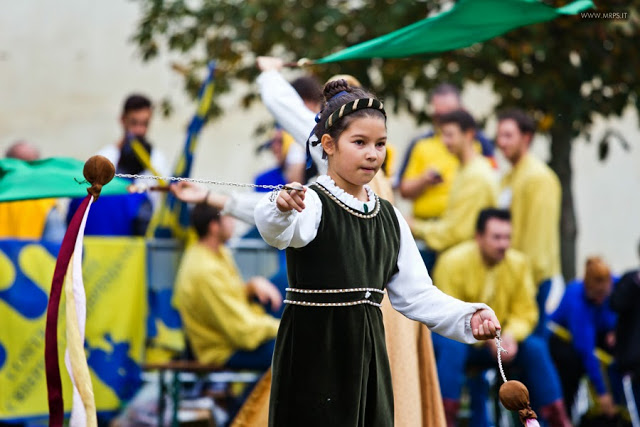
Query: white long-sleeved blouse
point(288, 108)
point(410, 290)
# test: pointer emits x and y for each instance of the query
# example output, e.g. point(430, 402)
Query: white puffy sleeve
point(282, 100)
point(242, 205)
point(413, 294)
point(289, 229)
point(288, 108)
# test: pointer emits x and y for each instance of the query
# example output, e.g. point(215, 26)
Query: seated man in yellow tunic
point(222, 324)
point(474, 188)
point(486, 269)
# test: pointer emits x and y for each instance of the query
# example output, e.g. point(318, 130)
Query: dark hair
point(525, 122)
point(309, 88)
point(444, 89)
point(135, 102)
point(333, 103)
point(201, 216)
point(490, 213)
point(460, 117)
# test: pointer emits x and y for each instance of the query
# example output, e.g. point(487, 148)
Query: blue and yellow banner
point(115, 279)
point(172, 219)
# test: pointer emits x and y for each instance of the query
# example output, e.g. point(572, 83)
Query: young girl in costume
point(345, 248)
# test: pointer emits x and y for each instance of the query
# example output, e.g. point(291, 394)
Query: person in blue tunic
point(584, 312)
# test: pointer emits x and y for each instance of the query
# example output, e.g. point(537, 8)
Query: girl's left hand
point(484, 324)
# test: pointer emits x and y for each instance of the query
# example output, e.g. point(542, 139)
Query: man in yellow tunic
point(486, 269)
point(531, 190)
point(474, 188)
point(222, 325)
point(428, 169)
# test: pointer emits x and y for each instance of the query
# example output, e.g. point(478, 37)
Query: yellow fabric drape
point(24, 219)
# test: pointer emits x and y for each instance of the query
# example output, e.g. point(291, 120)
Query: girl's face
point(359, 152)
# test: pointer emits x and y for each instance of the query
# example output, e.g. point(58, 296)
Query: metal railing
point(252, 256)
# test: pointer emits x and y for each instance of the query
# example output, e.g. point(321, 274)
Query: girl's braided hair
point(336, 94)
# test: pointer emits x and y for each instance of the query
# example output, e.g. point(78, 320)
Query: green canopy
point(468, 22)
point(54, 177)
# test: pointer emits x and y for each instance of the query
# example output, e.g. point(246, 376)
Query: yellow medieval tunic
point(532, 192)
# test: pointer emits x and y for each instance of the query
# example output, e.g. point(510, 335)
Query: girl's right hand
point(291, 199)
point(189, 192)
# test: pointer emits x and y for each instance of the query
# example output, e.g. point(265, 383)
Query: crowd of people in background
point(484, 239)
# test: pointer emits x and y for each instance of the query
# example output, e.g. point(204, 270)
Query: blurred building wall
point(66, 66)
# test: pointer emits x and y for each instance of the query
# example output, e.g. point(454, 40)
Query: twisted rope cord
point(500, 351)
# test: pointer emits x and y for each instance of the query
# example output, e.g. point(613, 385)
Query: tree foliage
point(565, 72)
point(571, 58)
point(235, 32)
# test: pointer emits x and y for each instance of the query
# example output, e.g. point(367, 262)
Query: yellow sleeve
point(232, 314)
point(523, 315)
point(444, 279)
point(457, 224)
point(416, 165)
point(539, 227)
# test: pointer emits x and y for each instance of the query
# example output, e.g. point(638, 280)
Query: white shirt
point(295, 156)
point(286, 106)
point(410, 291)
point(242, 205)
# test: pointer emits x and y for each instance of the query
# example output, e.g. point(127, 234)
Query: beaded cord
point(352, 211)
point(332, 304)
point(334, 291)
point(367, 294)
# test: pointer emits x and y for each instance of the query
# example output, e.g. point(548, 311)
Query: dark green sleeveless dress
point(330, 366)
